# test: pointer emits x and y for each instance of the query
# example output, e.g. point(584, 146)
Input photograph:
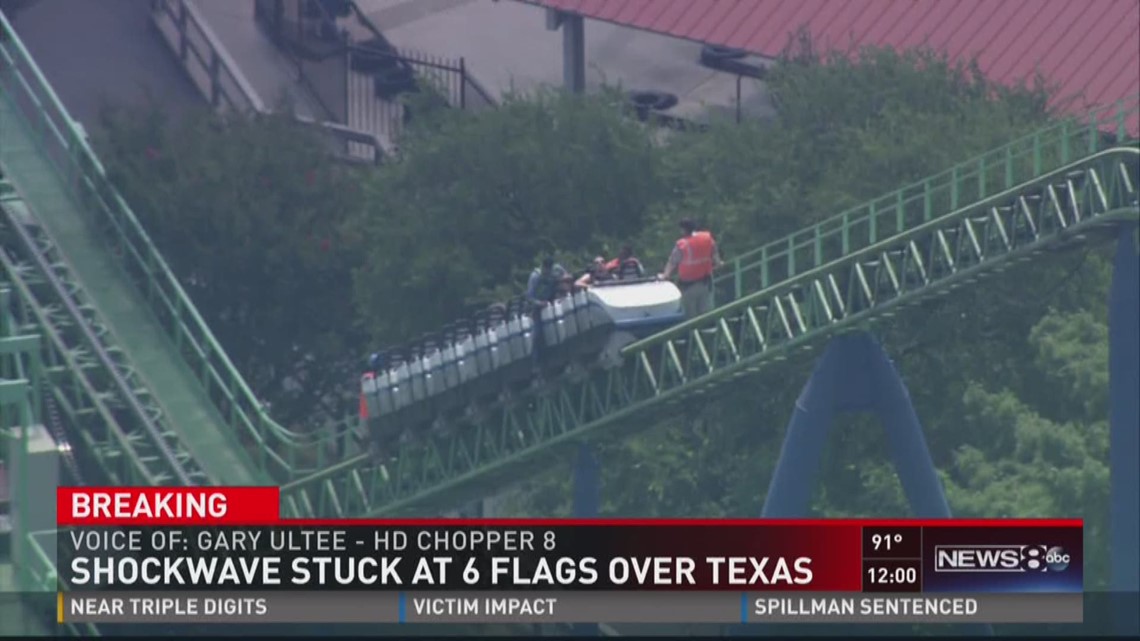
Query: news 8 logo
point(1044, 559)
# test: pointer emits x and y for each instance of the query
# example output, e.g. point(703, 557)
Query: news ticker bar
point(564, 607)
point(454, 556)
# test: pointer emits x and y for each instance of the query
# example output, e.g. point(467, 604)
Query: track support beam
point(1124, 422)
point(855, 374)
point(587, 502)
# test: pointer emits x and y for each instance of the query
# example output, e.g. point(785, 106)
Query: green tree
point(248, 211)
point(1047, 448)
point(477, 197)
point(848, 130)
point(1007, 377)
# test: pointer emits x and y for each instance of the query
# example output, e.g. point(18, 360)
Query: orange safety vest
point(696, 257)
point(364, 401)
point(614, 267)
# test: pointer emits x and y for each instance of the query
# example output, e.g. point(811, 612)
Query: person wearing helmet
point(694, 258)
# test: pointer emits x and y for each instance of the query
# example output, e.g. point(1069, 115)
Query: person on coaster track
point(694, 258)
point(626, 266)
point(546, 283)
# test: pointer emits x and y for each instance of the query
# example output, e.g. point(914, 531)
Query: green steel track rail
point(279, 454)
point(21, 379)
point(302, 458)
point(108, 408)
point(16, 347)
point(317, 482)
point(926, 244)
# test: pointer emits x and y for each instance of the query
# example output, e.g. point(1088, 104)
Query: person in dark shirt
point(543, 285)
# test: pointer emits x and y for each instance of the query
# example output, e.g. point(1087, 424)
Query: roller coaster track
point(123, 391)
point(107, 407)
point(847, 272)
point(1063, 184)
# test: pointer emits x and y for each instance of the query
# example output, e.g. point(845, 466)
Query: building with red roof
point(1088, 49)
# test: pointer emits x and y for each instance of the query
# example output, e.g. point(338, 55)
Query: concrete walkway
point(506, 47)
point(98, 52)
point(271, 74)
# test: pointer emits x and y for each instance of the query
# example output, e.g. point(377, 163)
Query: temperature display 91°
point(892, 543)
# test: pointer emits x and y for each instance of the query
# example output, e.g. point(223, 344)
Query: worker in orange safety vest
point(694, 258)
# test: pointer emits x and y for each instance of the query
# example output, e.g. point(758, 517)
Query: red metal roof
point(1089, 48)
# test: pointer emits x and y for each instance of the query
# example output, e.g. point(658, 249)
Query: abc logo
point(1056, 559)
point(1042, 559)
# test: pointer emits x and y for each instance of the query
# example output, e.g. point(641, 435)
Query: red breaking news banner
point(205, 506)
point(167, 506)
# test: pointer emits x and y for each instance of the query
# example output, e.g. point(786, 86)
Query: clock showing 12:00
point(893, 575)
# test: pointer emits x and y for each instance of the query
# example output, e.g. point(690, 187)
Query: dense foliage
point(1009, 379)
point(250, 214)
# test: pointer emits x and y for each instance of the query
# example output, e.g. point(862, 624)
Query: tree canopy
point(250, 214)
point(293, 258)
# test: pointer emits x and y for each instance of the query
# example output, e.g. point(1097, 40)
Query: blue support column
point(1124, 422)
point(587, 484)
point(907, 443)
point(797, 469)
point(855, 374)
point(587, 502)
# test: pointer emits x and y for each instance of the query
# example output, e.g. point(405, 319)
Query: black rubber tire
point(337, 8)
point(717, 53)
point(371, 60)
point(392, 81)
point(372, 63)
point(370, 56)
point(646, 102)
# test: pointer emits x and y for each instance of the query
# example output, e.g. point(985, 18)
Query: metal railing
point(866, 224)
point(278, 452)
point(372, 99)
point(220, 80)
point(452, 76)
point(310, 38)
point(358, 82)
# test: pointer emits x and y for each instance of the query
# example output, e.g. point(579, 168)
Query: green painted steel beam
point(842, 235)
point(13, 391)
point(286, 455)
point(105, 404)
point(280, 453)
point(19, 344)
point(926, 255)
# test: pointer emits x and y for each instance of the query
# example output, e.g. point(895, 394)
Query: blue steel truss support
point(587, 502)
point(1124, 419)
point(587, 484)
point(854, 375)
